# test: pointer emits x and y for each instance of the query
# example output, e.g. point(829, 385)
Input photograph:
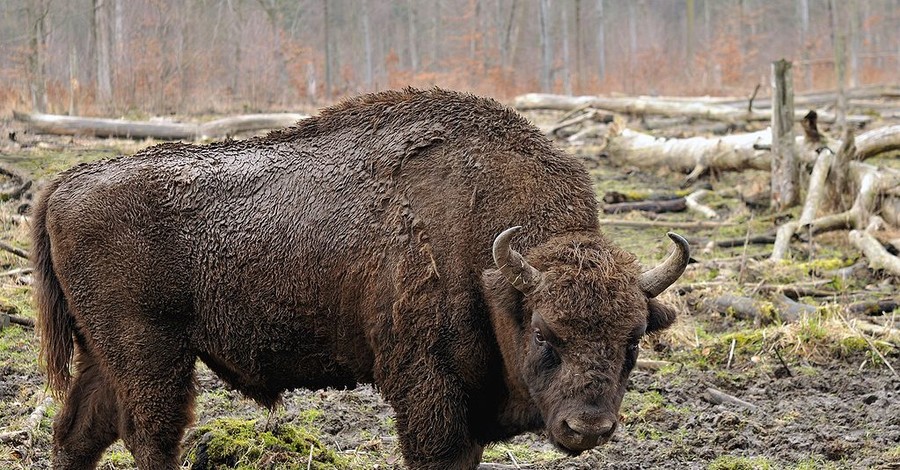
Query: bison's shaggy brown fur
point(354, 247)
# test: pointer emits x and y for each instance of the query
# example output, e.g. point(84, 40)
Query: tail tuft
point(55, 325)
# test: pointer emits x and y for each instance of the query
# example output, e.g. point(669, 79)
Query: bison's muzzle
point(583, 431)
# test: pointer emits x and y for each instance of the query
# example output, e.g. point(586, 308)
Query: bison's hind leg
point(155, 388)
point(87, 423)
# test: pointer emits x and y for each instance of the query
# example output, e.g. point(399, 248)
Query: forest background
point(155, 57)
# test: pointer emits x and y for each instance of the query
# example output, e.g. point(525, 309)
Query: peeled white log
point(645, 105)
point(101, 127)
point(734, 152)
point(876, 255)
point(693, 203)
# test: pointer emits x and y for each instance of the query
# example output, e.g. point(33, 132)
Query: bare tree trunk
point(102, 48)
point(579, 48)
point(328, 78)
point(601, 42)
point(853, 21)
point(436, 35)
point(803, 8)
point(118, 58)
point(413, 37)
point(689, 39)
point(546, 59)
point(73, 80)
point(36, 13)
point(632, 42)
point(367, 33)
point(567, 69)
point(785, 167)
point(839, 40)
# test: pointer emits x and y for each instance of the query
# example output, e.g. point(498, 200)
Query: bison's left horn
point(517, 271)
point(656, 280)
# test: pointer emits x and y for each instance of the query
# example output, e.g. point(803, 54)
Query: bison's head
point(569, 320)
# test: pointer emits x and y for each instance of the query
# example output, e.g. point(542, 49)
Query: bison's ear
point(660, 316)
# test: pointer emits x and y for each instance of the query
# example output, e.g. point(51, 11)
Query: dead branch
point(101, 127)
point(613, 197)
point(16, 272)
point(657, 206)
point(21, 321)
point(693, 203)
point(764, 239)
point(718, 397)
point(878, 257)
point(817, 187)
point(31, 424)
point(649, 364)
point(783, 240)
point(14, 250)
point(698, 225)
point(873, 307)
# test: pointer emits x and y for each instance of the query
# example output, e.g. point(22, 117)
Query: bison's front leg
point(432, 422)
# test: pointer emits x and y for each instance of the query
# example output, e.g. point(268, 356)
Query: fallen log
point(734, 152)
point(614, 197)
point(657, 206)
point(102, 127)
point(873, 308)
point(764, 239)
point(697, 225)
point(646, 105)
point(880, 140)
point(878, 257)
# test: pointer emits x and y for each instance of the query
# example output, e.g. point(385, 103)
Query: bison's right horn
point(656, 280)
point(517, 271)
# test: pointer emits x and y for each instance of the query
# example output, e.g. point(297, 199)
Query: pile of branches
point(844, 191)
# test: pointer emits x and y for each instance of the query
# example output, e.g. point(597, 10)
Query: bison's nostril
point(591, 430)
point(579, 426)
point(606, 428)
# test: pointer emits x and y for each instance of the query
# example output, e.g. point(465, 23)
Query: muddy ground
point(816, 393)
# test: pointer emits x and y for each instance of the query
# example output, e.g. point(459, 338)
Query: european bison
point(372, 243)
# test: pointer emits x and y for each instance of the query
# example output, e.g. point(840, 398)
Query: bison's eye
point(539, 337)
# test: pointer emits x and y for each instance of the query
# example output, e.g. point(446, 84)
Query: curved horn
point(656, 280)
point(517, 271)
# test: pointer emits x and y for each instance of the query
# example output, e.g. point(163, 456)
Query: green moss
point(826, 264)
point(637, 405)
point(310, 416)
point(523, 453)
point(892, 455)
point(237, 443)
point(851, 345)
point(817, 463)
point(116, 459)
point(731, 462)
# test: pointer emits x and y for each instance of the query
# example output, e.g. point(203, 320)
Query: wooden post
point(785, 171)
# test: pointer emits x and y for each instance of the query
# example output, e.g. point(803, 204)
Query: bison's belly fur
point(349, 249)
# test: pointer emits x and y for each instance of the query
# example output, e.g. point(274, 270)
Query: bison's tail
point(55, 325)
